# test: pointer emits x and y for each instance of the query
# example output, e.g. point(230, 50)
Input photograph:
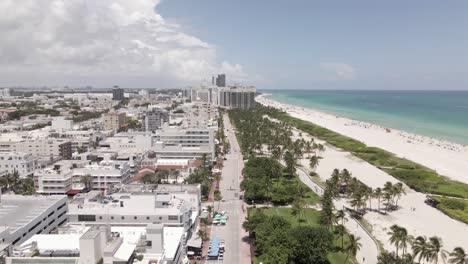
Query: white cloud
point(342, 70)
point(96, 39)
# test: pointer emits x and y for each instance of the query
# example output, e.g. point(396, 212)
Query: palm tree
point(202, 235)
point(434, 249)
point(420, 248)
point(218, 198)
point(405, 239)
point(149, 178)
point(27, 186)
point(298, 209)
point(87, 181)
point(378, 195)
point(314, 162)
point(387, 197)
point(398, 191)
point(458, 256)
point(345, 177)
point(395, 237)
point(353, 246)
point(341, 216)
point(290, 162)
point(164, 174)
point(205, 222)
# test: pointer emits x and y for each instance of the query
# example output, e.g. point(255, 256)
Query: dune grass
point(455, 208)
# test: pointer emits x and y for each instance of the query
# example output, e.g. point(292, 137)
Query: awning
point(195, 242)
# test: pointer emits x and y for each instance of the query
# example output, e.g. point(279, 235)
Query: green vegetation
point(220, 135)
point(202, 176)
point(455, 208)
point(32, 111)
point(285, 227)
point(414, 175)
point(265, 180)
point(122, 103)
point(80, 116)
point(133, 123)
point(12, 182)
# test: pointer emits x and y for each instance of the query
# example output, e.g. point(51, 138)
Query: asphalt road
point(232, 232)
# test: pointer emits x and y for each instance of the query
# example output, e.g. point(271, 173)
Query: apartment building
point(155, 118)
point(179, 143)
point(44, 148)
point(53, 180)
point(23, 163)
point(114, 121)
point(237, 97)
point(104, 174)
point(130, 209)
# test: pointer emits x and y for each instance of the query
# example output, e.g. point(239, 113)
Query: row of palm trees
point(342, 184)
point(12, 182)
point(158, 177)
point(259, 135)
point(429, 250)
point(331, 218)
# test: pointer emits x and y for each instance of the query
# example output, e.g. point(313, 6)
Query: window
point(123, 217)
point(86, 218)
point(135, 217)
point(100, 218)
point(112, 218)
point(172, 217)
point(147, 218)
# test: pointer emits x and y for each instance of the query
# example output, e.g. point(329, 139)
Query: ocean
point(437, 114)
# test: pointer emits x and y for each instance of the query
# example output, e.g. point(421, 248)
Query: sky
point(274, 44)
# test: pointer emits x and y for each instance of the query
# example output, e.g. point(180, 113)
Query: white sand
point(424, 220)
point(448, 159)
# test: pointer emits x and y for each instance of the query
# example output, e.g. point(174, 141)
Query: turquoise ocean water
point(438, 114)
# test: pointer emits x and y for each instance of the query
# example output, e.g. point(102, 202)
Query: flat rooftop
point(125, 204)
point(16, 210)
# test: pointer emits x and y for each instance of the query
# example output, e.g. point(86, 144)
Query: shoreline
point(445, 157)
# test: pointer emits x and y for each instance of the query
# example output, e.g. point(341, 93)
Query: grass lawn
point(311, 219)
point(454, 208)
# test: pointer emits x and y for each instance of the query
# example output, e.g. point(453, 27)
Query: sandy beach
point(416, 216)
point(447, 158)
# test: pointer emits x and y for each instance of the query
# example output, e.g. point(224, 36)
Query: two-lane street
point(237, 251)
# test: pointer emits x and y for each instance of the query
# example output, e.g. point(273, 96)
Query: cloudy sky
point(302, 44)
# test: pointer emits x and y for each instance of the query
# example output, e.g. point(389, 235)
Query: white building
point(80, 139)
point(51, 180)
point(158, 244)
point(129, 142)
point(86, 246)
point(191, 143)
point(24, 216)
point(128, 209)
point(104, 174)
point(47, 148)
point(24, 163)
point(60, 123)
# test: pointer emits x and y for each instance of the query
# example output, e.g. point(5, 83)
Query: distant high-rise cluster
point(237, 97)
point(219, 81)
point(117, 93)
